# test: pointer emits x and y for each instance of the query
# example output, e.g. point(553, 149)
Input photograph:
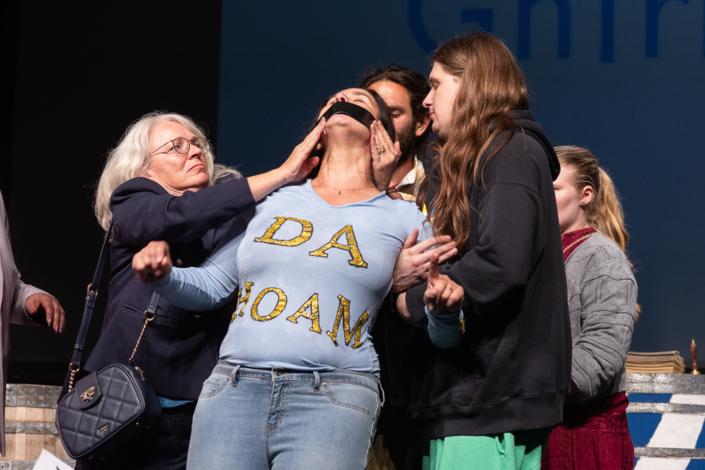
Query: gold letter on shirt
point(343, 316)
point(281, 303)
point(312, 305)
point(242, 298)
point(351, 247)
point(268, 236)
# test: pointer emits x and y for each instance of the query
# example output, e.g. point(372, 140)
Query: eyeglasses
point(182, 145)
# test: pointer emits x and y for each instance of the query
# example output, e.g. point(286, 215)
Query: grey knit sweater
point(602, 299)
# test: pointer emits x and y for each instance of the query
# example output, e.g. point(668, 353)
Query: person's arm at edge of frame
point(29, 301)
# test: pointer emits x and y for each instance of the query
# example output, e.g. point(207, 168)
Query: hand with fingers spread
point(385, 155)
point(153, 262)
point(442, 295)
point(42, 303)
point(414, 261)
point(299, 164)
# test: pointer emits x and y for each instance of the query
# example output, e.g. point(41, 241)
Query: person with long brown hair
point(489, 401)
point(602, 299)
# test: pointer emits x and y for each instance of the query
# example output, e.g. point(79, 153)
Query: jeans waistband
point(288, 375)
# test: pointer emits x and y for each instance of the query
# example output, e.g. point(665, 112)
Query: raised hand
point(300, 163)
point(414, 260)
point(296, 167)
point(153, 262)
point(385, 155)
point(442, 293)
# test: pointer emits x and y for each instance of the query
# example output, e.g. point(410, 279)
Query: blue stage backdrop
point(623, 78)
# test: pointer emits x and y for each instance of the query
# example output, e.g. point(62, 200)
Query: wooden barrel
point(666, 417)
point(29, 425)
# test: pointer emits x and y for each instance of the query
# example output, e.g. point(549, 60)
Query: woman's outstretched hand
point(153, 262)
point(414, 261)
point(385, 155)
point(296, 167)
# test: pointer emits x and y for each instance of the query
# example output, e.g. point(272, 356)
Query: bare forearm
point(263, 184)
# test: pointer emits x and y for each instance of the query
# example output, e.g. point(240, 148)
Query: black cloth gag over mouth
point(356, 112)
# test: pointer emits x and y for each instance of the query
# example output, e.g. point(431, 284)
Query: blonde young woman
point(602, 297)
point(489, 402)
point(160, 182)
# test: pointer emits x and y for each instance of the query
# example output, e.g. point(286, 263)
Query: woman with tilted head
point(297, 382)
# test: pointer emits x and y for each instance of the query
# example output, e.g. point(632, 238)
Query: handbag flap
point(88, 392)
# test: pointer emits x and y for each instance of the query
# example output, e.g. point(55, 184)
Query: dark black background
point(74, 75)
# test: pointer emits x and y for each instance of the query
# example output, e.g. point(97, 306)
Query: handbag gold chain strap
point(72, 377)
point(149, 315)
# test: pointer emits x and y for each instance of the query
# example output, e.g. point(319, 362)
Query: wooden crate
point(29, 425)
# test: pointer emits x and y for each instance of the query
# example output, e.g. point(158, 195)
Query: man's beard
point(407, 142)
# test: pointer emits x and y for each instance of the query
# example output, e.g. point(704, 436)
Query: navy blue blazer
point(180, 348)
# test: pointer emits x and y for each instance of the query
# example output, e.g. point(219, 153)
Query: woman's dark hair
point(415, 84)
point(385, 116)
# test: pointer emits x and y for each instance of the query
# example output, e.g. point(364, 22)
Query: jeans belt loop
point(233, 375)
point(316, 380)
point(381, 394)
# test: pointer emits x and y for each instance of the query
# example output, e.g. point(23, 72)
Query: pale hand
point(414, 261)
point(300, 163)
point(442, 293)
point(153, 262)
point(385, 155)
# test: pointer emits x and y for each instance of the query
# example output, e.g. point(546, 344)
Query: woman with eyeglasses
point(160, 182)
point(297, 383)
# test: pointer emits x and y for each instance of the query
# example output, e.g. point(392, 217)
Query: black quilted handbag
point(109, 407)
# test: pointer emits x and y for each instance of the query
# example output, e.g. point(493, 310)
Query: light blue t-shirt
point(311, 277)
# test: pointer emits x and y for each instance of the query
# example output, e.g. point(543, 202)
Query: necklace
point(576, 241)
point(340, 190)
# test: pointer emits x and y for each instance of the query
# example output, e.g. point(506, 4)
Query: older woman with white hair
point(161, 182)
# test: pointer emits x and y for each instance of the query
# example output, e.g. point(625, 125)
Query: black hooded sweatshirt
point(512, 369)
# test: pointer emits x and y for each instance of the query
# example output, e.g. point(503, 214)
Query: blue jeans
point(255, 419)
